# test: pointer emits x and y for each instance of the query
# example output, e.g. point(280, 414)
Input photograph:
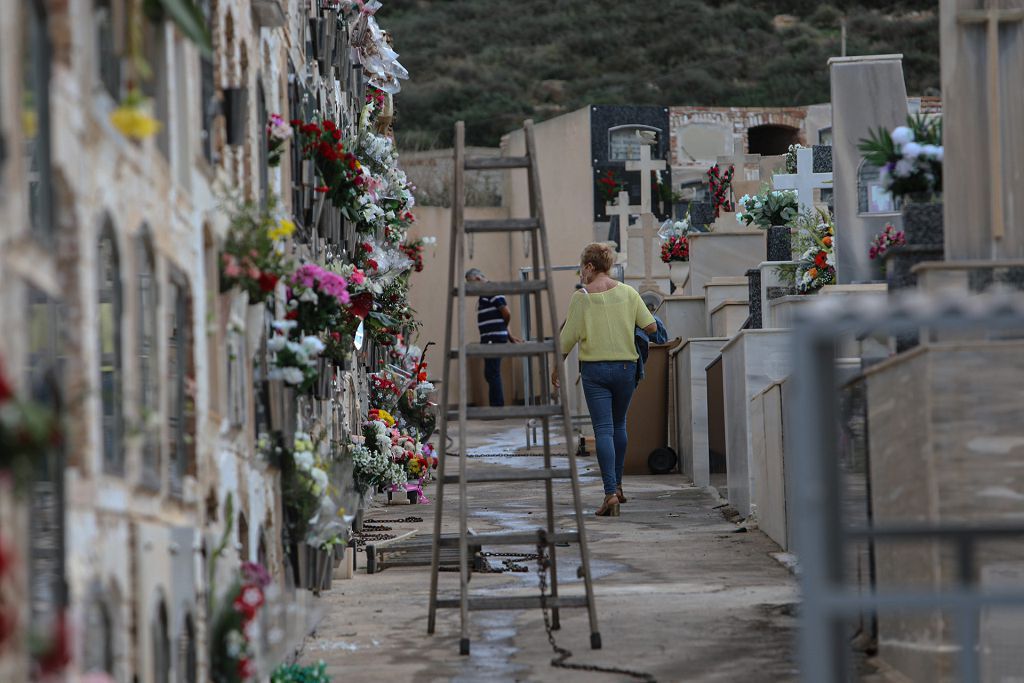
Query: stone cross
point(649, 233)
point(623, 209)
point(646, 166)
point(804, 181)
point(992, 17)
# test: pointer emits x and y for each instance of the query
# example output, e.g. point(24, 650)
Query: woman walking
point(602, 318)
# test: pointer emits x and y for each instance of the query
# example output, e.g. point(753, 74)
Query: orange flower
point(813, 272)
point(827, 240)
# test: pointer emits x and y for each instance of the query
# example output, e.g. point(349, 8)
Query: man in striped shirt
point(492, 317)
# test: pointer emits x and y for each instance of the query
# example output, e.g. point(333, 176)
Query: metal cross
point(805, 180)
point(992, 17)
point(646, 166)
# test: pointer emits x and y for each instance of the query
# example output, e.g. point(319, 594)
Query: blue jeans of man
point(492, 373)
point(608, 387)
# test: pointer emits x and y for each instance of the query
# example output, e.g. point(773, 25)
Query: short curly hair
point(599, 255)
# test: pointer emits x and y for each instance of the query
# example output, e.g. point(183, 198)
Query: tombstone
point(867, 93)
point(645, 270)
point(619, 215)
point(983, 64)
point(805, 181)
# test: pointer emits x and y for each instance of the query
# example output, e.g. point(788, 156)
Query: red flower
point(6, 392)
point(323, 188)
point(336, 134)
point(292, 315)
point(310, 129)
point(246, 669)
point(267, 282)
point(819, 259)
point(330, 125)
point(296, 122)
point(361, 305)
point(367, 247)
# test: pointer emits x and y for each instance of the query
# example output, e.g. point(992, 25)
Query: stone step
point(728, 317)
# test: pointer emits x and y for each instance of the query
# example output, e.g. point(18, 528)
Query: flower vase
point(679, 273)
point(255, 326)
point(780, 245)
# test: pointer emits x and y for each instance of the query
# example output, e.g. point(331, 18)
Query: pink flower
point(358, 277)
point(231, 268)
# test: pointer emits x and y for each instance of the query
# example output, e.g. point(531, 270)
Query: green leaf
point(190, 21)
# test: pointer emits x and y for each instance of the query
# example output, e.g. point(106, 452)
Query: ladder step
point(542, 474)
point(492, 288)
point(504, 350)
point(508, 412)
point(502, 225)
point(520, 538)
point(515, 602)
point(493, 163)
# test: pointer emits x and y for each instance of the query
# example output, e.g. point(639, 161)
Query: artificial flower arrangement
point(293, 361)
point(372, 463)
point(817, 264)
point(279, 132)
point(609, 186)
point(675, 247)
point(385, 389)
point(297, 673)
point(235, 628)
point(414, 250)
point(720, 186)
point(343, 176)
point(767, 209)
point(884, 241)
point(317, 298)
point(29, 430)
point(254, 257)
point(910, 158)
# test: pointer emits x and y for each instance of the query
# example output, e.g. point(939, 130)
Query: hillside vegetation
point(496, 62)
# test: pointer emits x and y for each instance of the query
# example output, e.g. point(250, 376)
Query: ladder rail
point(563, 391)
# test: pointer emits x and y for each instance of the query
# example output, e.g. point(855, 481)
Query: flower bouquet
point(234, 627)
point(317, 299)
point(817, 265)
point(675, 248)
point(293, 361)
point(609, 187)
point(414, 250)
point(279, 132)
point(768, 209)
point(29, 430)
point(720, 186)
point(884, 241)
point(910, 157)
point(253, 257)
point(343, 176)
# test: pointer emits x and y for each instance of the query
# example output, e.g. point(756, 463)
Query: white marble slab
point(784, 309)
point(721, 289)
point(692, 403)
point(684, 316)
point(751, 361)
point(768, 457)
point(770, 277)
point(728, 317)
point(723, 254)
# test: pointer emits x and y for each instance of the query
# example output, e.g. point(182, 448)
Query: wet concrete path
point(680, 593)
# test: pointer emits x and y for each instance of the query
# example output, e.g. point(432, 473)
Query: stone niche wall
point(947, 447)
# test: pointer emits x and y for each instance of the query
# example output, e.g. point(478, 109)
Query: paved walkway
point(680, 593)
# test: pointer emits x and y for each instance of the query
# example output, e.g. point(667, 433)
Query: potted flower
point(771, 210)
point(881, 243)
point(675, 251)
point(910, 159)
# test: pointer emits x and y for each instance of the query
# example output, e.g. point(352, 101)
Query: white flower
point(939, 152)
point(319, 479)
point(303, 460)
point(308, 295)
point(929, 151)
point(276, 343)
point(904, 168)
point(312, 345)
point(911, 150)
point(902, 135)
point(283, 325)
point(292, 375)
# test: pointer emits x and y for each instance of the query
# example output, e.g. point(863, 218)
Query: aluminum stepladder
point(539, 286)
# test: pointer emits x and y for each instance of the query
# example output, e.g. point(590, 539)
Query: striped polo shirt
point(488, 318)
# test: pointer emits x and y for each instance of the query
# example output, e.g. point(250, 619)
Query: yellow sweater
point(603, 323)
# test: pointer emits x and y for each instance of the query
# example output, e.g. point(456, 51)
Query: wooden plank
point(539, 474)
point(514, 602)
point(509, 412)
point(495, 163)
point(502, 225)
point(493, 288)
point(506, 350)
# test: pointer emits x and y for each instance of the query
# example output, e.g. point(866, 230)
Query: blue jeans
point(608, 386)
point(492, 373)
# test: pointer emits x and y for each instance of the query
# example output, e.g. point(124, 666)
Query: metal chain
point(561, 653)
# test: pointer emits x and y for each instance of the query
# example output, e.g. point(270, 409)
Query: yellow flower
point(385, 417)
point(283, 230)
point(29, 123)
point(133, 122)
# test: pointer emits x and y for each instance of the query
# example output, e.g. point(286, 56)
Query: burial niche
point(872, 197)
point(624, 143)
point(98, 635)
point(771, 139)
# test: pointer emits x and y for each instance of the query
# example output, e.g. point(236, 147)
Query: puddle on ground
point(490, 653)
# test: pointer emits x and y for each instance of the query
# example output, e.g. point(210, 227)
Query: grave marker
point(805, 181)
point(646, 165)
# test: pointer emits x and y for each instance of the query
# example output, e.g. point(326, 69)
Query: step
point(505, 350)
point(496, 163)
point(514, 602)
point(502, 225)
point(508, 412)
point(520, 538)
point(540, 474)
point(728, 317)
point(494, 288)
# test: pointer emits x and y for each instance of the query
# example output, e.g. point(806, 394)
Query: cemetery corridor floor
point(680, 593)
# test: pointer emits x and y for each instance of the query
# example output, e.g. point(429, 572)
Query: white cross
point(646, 166)
point(805, 180)
point(623, 209)
point(992, 17)
point(649, 233)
